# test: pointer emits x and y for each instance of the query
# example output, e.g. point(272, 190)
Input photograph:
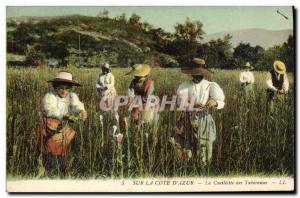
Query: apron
point(110, 94)
point(53, 140)
point(196, 131)
point(136, 113)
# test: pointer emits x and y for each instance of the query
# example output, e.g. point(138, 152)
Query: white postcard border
point(205, 184)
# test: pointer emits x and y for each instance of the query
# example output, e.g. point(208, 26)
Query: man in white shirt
point(197, 128)
point(277, 83)
point(247, 79)
point(59, 107)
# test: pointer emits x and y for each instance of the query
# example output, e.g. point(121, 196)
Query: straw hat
point(198, 69)
point(279, 67)
point(106, 65)
point(65, 78)
point(140, 70)
point(248, 66)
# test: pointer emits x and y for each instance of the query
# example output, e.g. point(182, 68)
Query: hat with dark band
point(279, 67)
point(248, 66)
point(199, 68)
point(64, 77)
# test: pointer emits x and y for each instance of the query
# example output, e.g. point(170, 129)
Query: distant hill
point(99, 39)
point(87, 41)
point(255, 36)
point(33, 19)
point(262, 37)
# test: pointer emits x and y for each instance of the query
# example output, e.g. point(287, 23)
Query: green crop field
point(248, 142)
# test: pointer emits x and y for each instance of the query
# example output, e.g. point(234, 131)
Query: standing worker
point(142, 86)
point(106, 88)
point(59, 108)
point(277, 83)
point(106, 96)
point(247, 79)
point(196, 129)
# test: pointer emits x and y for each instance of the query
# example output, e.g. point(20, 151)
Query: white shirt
point(57, 107)
point(247, 77)
point(202, 92)
point(106, 80)
point(285, 85)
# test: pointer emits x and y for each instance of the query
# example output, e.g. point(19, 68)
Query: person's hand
point(60, 126)
point(199, 107)
point(83, 115)
point(66, 117)
point(211, 103)
point(281, 91)
point(70, 117)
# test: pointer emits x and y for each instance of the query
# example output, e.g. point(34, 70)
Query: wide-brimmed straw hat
point(106, 65)
point(140, 70)
point(279, 67)
point(199, 68)
point(65, 77)
point(248, 66)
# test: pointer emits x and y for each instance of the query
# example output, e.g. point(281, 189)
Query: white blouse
point(57, 107)
point(106, 80)
point(247, 77)
point(202, 92)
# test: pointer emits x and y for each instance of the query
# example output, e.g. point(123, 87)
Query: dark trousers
point(54, 165)
point(273, 97)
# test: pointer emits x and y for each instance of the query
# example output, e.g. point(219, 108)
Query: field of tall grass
point(248, 141)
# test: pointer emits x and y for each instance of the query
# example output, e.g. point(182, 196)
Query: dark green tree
point(34, 57)
point(134, 19)
point(288, 55)
point(244, 52)
point(187, 40)
point(217, 53)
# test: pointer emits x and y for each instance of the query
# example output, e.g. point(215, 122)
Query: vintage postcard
point(150, 99)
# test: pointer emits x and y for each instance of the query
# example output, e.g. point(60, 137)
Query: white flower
point(114, 129)
point(126, 121)
point(172, 141)
point(101, 118)
point(117, 117)
point(189, 153)
point(119, 137)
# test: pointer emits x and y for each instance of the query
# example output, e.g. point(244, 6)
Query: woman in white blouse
point(106, 81)
point(58, 108)
point(247, 79)
point(197, 128)
point(105, 85)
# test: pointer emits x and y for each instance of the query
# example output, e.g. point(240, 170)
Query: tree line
point(87, 41)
